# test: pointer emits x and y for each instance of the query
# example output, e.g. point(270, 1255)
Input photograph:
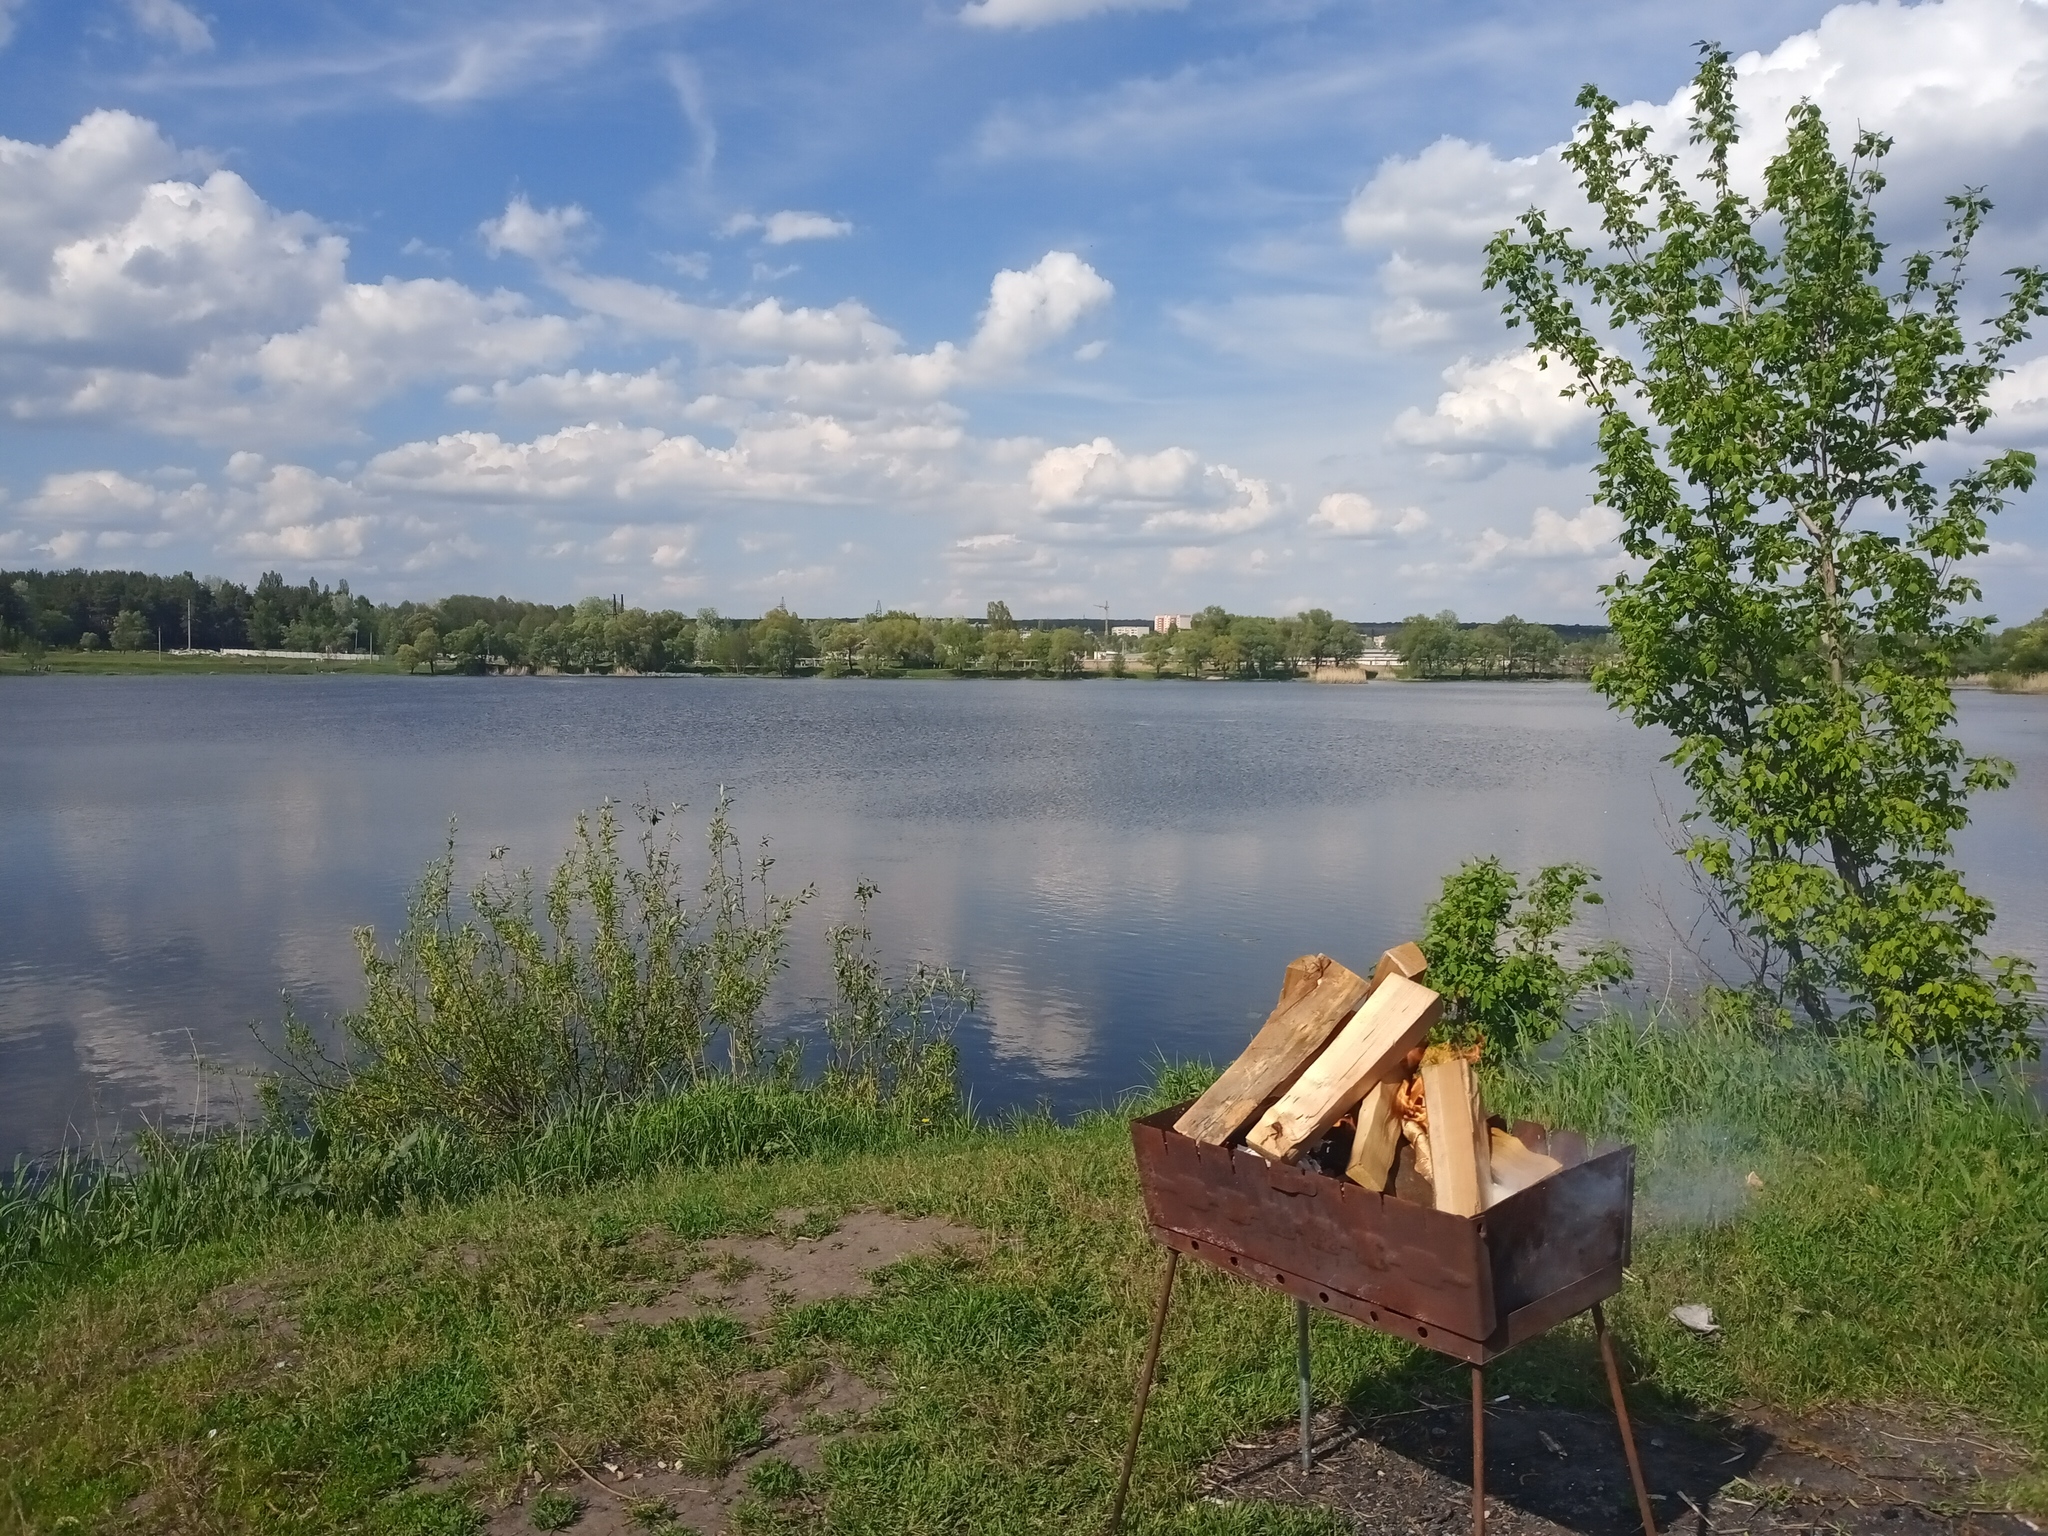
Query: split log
point(1459, 1144)
point(1376, 1138)
point(1514, 1165)
point(1292, 1036)
point(1401, 960)
point(1298, 980)
point(1365, 1051)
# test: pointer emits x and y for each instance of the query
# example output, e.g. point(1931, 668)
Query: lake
point(1123, 868)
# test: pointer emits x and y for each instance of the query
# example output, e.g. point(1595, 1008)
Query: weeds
point(546, 1053)
point(496, 1023)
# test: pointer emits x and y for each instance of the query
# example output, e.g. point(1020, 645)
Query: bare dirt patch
point(750, 1277)
point(1549, 1470)
point(633, 1494)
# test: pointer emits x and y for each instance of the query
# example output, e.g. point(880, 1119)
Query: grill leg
point(1479, 1452)
point(1628, 1438)
point(1301, 1371)
point(1123, 1478)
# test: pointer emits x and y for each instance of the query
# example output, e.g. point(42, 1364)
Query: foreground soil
point(1549, 1471)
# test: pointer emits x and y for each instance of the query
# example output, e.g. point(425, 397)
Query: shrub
point(1495, 955)
point(494, 1022)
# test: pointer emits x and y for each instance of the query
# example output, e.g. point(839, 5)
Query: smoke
point(1695, 1173)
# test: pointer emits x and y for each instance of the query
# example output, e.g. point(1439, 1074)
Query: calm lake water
point(1123, 868)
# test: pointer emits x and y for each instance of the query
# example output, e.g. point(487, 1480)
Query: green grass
point(150, 663)
point(63, 1218)
point(1894, 1254)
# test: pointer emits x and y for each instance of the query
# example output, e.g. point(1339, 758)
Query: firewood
point(1459, 1149)
point(1298, 980)
point(1375, 1139)
point(1411, 1177)
point(1366, 1050)
point(1401, 960)
point(1514, 1165)
point(1292, 1036)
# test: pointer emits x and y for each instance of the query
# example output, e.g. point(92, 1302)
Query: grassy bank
point(169, 664)
point(291, 1372)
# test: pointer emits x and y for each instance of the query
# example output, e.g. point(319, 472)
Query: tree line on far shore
point(134, 610)
point(1438, 645)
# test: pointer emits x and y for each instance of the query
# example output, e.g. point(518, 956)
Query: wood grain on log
point(1366, 1051)
point(1292, 1036)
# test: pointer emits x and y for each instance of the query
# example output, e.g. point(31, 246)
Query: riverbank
point(182, 664)
point(441, 1367)
point(210, 663)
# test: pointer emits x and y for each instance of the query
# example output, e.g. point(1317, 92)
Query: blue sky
point(1055, 301)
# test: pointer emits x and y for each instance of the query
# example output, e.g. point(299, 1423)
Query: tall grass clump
point(602, 1027)
point(1728, 1091)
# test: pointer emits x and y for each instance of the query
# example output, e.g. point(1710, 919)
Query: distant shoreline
point(215, 664)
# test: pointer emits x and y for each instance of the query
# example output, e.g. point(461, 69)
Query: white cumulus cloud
point(1096, 487)
point(1593, 531)
point(1030, 308)
point(1957, 83)
point(1506, 405)
point(137, 288)
point(1349, 515)
point(539, 234)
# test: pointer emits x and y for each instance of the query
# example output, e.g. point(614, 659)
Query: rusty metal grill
point(1469, 1287)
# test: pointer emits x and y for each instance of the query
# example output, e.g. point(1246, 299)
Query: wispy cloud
point(169, 22)
point(1022, 15)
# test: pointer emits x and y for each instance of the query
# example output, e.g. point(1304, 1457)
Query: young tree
point(1157, 649)
point(999, 646)
point(129, 631)
point(1765, 407)
point(781, 640)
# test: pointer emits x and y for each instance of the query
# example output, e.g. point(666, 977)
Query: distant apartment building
point(1162, 622)
point(1130, 631)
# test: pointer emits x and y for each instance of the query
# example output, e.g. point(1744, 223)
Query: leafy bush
point(494, 1022)
point(1494, 952)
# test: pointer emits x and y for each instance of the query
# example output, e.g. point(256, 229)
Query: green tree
point(1764, 406)
point(999, 616)
point(427, 646)
point(1429, 646)
point(1495, 955)
point(733, 650)
point(1064, 649)
point(1157, 649)
point(781, 640)
point(1000, 645)
point(895, 640)
point(407, 658)
point(129, 631)
point(1262, 646)
point(1323, 638)
point(958, 645)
